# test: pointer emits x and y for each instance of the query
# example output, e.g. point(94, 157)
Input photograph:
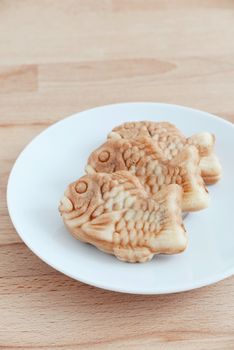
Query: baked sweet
point(115, 213)
point(145, 160)
point(171, 142)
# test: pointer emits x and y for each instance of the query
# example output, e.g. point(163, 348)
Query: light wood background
point(64, 56)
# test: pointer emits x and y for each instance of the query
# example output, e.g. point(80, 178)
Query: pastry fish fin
point(130, 183)
point(139, 254)
point(149, 146)
point(102, 227)
point(114, 136)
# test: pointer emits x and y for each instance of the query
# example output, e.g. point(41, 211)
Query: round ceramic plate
point(57, 157)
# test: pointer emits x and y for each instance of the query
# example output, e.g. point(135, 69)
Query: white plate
point(57, 157)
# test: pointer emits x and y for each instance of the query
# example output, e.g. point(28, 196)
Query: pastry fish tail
point(204, 141)
point(173, 237)
point(195, 196)
point(211, 170)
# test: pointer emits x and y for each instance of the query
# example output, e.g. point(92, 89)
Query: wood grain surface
point(61, 57)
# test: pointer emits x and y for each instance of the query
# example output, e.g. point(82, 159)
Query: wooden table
point(61, 57)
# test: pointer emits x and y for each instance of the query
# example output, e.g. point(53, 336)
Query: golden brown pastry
point(143, 159)
point(171, 142)
point(115, 213)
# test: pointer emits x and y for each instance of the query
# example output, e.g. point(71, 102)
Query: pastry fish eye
point(104, 156)
point(81, 187)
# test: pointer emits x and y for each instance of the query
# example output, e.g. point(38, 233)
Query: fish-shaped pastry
point(114, 213)
point(144, 160)
point(171, 142)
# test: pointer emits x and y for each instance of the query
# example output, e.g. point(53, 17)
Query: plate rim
point(157, 291)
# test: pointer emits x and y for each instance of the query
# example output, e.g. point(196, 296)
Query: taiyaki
point(114, 213)
point(144, 160)
point(171, 141)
